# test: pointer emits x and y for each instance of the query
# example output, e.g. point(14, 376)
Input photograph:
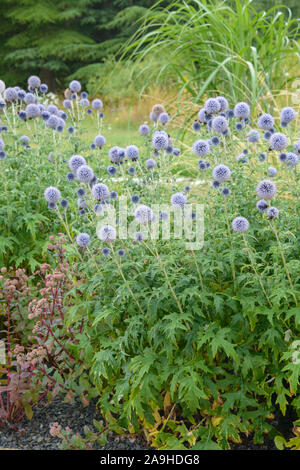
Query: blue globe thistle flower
point(52, 194)
point(45, 115)
point(262, 205)
point(80, 192)
point(132, 152)
point(226, 192)
point(265, 121)
point(135, 198)
point(153, 117)
point(202, 165)
point(201, 148)
point(245, 151)
point(196, 126)
point(272, 212)
point(242, 110)
point(240, 224)
point(75, 162)
point(2, 104)
point(212, 106)
point(73, 96)
point(114, 195)
point(71, 130)
point(143, 214)
point(215, 184)
point(150, 164)
point(92, 146)
point(288, 114)
point(21, 94)
point(144, 129)
point(176, 152)
point(278, 141)
point(121, 253)
point(139, 237)
point(101, 115)
point(164, 118)
point(2, 155)
point(44, 88)
point(81, 203)
point(52, 205)
point(209, 124)
point(98, 209)
point(62, 115)
point(223, 103)
point(229, 114)
point(84, 95)
point(10, 95)
point(267, 135)
point(52, 122)
point(160, 140)
point(187, 189)
point(282, 157)
point(219, 124)
point(64, 203)
point(84, 174)
point(272, 171)
point(221, 173)
point(157, 110)
point(93, 181)
point(70, 176)
point(203, 116)
point(215, 141)
point(266, 189)
point(30, 98)
point(99, 141)
point(83, 240)
point(283, 124)
point(178, 200)
point(82, 211)
point(114, 155)
point(4, 129)
point(25, 139)
point(75, 86)
point(111, 170)
point(291, 159)
point(239, 126)
point(253, 136)
point(105, 251)
point(60, 124)
point(52, 109)
point(169, 149)
point(84, 103)
point(100, 191)
point(67, 104)
point(107, 233)
point(97, 104)
point(131, 170)
point(34, 82)
point(89, 111)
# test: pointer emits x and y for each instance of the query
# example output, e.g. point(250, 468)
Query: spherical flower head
point(100, 191)
point(52, 205)
point(132, 152)
point(25, 139)
point(2, 155)
point(219, 124)
point(223, 103)
point(144, 129)
point(105, 251)
point(242, 110)
point(114, 195)
point(64, 203)
point(157, 110)
point(262, 205)
point(111, 170)
point(240, 224)
point(212, 106)
point(203, 116)
point(21, 95)
point(10, 95)
point(52, 109)
point(60, 124)
point(291, 159)
point(143, 214)
point(153, 117)
point(266, 189)
point(131, 170)
point(229, 114)
point(34, 82)
point(32, 111)
point(160, 140)
point(201, 147)
point(114, 155)
point(121, 253)
point(176, 152)
point(52, 122)
point(45, 115)
point(265, 121)
point(67, 104)
point(62, 115)
point(202, 165)
point(107, 233)
point(262, 157)
point(139, 237)
point(97, 104)
point(196, 126)
point(135, 198)
point(84, 102)
point(83, 240)
point(75, 86)
point(52, 194)
point(278, 141)
point(221, 173)
point(75, 162)
point(272, 171)
point(288, 114)
point(70, 176)
point(164, 118)
point(150, 163)
point(84, 174)
point(272, 212)
point(30, 98)
point(226, 192)
point(215, 184)
point(253, 136)
point(43, 88)
point(81, 192)
point(178, 200)
point(71, 130)
point(282, 157)
point(99, 141)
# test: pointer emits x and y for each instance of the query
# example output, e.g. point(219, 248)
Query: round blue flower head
point(45, 115)
point(105, 251)
point(239, 126)
point(253, 136)
point(160, 140)
point(75, 86)
point(10, 95)
point(223, 103)
point(221, 173)
point(52, 122)
point(114, 195)
point(262, 157)
point(164, 118)
point(99, 141)
point(291, 159)
point(116, 155)
point(71, 130)
point(67, 104)
point(150, 163)
point(226, 192)
point(121, 253)
point(278, 141)
point(32, 111)
point(262, 205)
point(272, 212)
point(287, 114)
point(25, 139)
point(212, 106)
point(34, 82)
point(52, 194)
point(143, 214)
point(52, 109)
point(265, 121)
point(215, 184)
point(215, 141)
point(84, 95)
point(97, 104)
point(70, 176)
point(202, 165)
point(219, 124)
point(201, 147)
point(75, 162)
point(62, 115)
point(2, 155)
point(81, 192)
point(52, 205)
point(187, 189)
point(176, 152)
point(272, 171)
point(196, 126)
point(21, 94)
point(107, 233)
point(84, 102)
point(242, 110)
point(99, 209)
point(229, 114)
point(131, 170)
point(153, 117)
point(135, 198)
point(132, 152)
point(266, 189)
point(111, 170)
point(282, 157)
point(100, 191)
point(178, 200)
point(30, 98)
point(60, 124)
point(83, 239)
point(64, 203)
point(144, 129)
point(203, 116)
point(240, 224)
point(43, 88)
point(169, 149)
